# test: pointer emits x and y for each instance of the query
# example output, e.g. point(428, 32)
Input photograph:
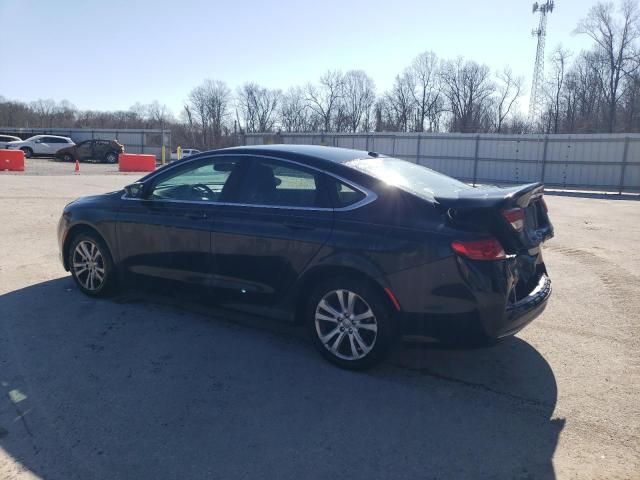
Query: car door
point(40, 146)
point(167, 233)
point(268, 231)
point(84, 150)
point(50, 145)
point(100, 149)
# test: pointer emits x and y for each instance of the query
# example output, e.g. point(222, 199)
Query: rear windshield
point(416, 179)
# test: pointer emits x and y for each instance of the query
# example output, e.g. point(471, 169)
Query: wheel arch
point(320, 273)
point(73, 232)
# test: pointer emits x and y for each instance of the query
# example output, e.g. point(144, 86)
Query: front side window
point(274, 183)
point(201, 182)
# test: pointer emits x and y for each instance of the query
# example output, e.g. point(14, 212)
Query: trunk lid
point(492, 209)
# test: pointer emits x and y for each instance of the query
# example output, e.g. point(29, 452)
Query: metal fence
point(134, 140)
point(607, 162)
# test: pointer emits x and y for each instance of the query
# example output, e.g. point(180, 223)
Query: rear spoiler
point(488, 197)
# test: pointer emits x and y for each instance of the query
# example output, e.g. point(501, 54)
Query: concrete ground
point(150, 386)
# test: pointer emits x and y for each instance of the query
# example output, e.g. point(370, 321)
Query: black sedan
point(359, 246)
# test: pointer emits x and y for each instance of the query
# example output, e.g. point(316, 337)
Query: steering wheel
point(202, 191)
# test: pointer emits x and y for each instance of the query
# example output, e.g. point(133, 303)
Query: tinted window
point(269, 182)
point(416, 179)
point(199, 182)
point(346, 195)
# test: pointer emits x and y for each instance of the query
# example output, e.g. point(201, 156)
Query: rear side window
point(273, 183)
point(346, 195)
point(419, 180)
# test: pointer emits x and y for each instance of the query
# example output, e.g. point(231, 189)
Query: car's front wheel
point(28, 153)
point(91, 265)
point(111, 157)
point(349, 323)
point(67, 157)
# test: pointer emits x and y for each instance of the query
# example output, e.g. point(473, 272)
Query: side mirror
point(135, 190)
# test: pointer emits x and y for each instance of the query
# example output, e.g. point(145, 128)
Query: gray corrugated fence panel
point(632, 171)
point(589, 161)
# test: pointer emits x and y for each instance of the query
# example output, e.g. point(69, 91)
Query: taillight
point(515, 217)
point(486, 249)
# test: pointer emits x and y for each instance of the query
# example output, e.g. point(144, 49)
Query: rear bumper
point(521, 313)
point(473, 307)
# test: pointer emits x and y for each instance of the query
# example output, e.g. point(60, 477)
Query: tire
point(355, 337)
point(111, 157)
point(67, 157)
point(28, 153)
point(88, 249)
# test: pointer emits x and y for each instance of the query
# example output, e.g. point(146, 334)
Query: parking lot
point(162, 385)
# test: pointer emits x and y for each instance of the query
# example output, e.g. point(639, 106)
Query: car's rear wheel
point(349, 323)
point(91, 265)
point(111, 157)
point(28, 153)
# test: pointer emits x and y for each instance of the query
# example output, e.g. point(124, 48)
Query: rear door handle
point(197, 216)
point(299, 226)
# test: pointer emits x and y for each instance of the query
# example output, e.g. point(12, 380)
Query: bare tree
point(358, 98)
point(44, 110)
point(615, 42)
point(258, 106)
point(555, 86)
point(427, 93)
point(217, 98)
point(323, 98)
point(197, 106)
point(399, 103)
point(509, 90)
point(294, 111)
point(468, 88)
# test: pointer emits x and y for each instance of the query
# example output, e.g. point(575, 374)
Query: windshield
point(416, 179)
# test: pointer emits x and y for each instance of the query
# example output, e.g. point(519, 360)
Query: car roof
point(332, 154)
point(48, 135)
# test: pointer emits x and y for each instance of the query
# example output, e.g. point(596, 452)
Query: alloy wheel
point(88, 265)
point(346, 324)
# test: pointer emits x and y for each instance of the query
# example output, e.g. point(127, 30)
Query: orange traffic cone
point(77, 170)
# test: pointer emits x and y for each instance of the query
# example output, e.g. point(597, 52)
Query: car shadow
point(155, 385)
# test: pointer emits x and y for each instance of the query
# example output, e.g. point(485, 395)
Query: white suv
point(41, 145)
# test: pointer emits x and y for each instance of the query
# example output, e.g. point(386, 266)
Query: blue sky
point(109, 55)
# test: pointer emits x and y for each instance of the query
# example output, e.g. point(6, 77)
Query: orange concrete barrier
point(12, 160)
point(131, 162)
